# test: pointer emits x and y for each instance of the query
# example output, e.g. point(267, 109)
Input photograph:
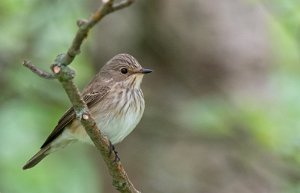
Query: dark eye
point(124, 70)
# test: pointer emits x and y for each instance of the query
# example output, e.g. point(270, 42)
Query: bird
point(115, 100)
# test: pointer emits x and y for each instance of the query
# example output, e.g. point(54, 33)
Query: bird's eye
point(124, 70)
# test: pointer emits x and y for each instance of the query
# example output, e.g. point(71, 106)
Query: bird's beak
point(145, 71)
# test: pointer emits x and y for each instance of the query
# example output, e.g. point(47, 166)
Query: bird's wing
point(90, 98)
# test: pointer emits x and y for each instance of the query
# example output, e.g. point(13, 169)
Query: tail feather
point(37, 158)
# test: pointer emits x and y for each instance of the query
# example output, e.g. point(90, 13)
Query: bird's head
point(124, 68)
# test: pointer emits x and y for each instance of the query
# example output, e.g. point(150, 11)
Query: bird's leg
point(112, 149)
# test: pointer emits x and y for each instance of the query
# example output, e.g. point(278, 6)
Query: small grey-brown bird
point(115, 100)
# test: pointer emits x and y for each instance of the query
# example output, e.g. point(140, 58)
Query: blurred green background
point(222, 106)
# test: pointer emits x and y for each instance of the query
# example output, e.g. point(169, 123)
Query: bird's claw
point(113, 150)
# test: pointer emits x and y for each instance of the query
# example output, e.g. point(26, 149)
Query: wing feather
point(90, 98)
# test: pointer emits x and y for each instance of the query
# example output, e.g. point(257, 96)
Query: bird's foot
point(113, 150)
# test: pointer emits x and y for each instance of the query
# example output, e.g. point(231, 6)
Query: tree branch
point(38, 71)
point(65, 76)
point(122, 4)
point(86, 25)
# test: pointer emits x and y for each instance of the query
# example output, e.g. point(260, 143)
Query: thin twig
point(65, 76)
point(38, 71)
point(84, 28)
point(122, 4)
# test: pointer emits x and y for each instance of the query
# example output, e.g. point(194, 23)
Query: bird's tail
point(37, 157)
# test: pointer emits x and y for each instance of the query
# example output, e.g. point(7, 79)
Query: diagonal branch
point(65, 76)
point(122, 5)
point(85, 26)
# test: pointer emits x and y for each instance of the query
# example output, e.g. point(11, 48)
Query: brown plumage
point(115, 100)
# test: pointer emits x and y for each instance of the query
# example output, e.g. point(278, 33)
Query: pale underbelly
point(116, 128)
